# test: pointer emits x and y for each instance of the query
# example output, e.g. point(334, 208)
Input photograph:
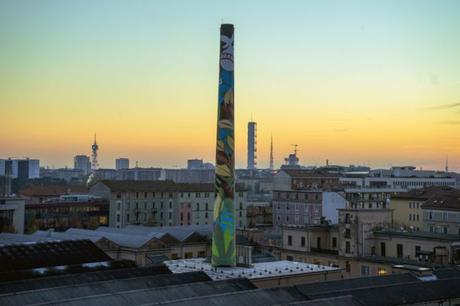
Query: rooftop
point(258, 270)
point(162, 186)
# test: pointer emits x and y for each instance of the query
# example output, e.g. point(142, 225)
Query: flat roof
point(256, 271)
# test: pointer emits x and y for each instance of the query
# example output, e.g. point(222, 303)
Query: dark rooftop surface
point(340, 285)
point(24, 256)
point(80, 278)
point(434, 197)
point(257, 297)
point(162, 294)
point(450, 272)
point(397, 294)
point(128, 291)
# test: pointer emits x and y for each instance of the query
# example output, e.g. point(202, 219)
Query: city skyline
point(355, 83)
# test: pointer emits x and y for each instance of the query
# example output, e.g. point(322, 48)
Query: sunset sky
point(355, 82)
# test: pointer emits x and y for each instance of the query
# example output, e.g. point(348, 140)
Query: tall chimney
point(223, 237)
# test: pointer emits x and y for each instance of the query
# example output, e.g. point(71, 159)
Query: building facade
point(305, 207)
point(65, 212)
point(12, 215)
point(164, 203)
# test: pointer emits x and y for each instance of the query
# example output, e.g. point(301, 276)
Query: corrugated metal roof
point(160, 294)
point(80, 278)
point(353, 283)
point(112, 292)
point(49, 254)
point(262, 297)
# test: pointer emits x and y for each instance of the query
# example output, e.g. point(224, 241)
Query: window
point(347, 247)
point(334, 242)
point(188, 255)
point(430, 216)
point(347, 233)
point(364, 270)
point(347, 266)
point(206, 205)
point(399, 250)
point(302, 242)
point(290, 258)
point(417, 250)
point(289, 240)
point(318, 242)
point(241, 205)
point(445, 230)
point(381, 271)
point(382, 249)
point(118, 218)
point(197, 206)
point(170, 205)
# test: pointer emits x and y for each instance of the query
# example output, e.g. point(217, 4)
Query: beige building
point(423, 247)
point(164, 203)
point(407, 207)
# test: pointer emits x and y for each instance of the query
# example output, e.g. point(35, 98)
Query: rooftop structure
point(264, 270)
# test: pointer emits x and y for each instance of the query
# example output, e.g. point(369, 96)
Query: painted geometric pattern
point(223, 242)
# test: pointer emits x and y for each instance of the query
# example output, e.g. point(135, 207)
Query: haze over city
point(354, 82)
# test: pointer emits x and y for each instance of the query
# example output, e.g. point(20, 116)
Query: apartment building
point(164, 203)
point(441, 212)
point(303, 207)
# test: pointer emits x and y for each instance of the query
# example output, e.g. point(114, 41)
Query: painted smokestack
point(223, 238)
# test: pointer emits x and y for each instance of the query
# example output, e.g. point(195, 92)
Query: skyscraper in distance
point(252, 145)
point(223, 237)
point(121, 163)
point(81, 162)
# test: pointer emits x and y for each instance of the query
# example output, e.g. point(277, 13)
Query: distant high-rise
point(81, 162)
point(94, 149)
point(22, 169)
point(121, 163)
point(252, 145)
point(272, 163)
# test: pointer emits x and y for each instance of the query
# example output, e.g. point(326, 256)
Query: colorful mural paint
point(223, 240)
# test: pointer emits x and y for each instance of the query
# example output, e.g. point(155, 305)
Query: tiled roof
point(51, 190)
point(162, 186)
point(296, 173)
point(423, 194)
